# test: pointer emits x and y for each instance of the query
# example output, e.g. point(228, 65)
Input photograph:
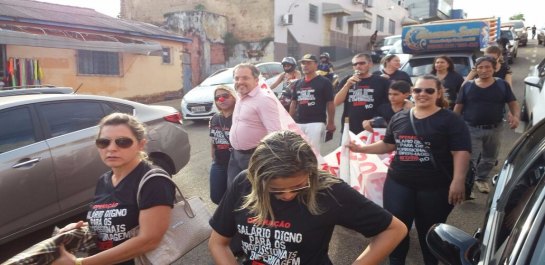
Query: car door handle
point(28, 162)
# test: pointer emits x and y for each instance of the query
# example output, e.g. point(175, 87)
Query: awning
point(333, 9)
point(37, 40)
point(359, 17)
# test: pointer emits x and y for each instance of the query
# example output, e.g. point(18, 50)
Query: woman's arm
point(456, 194)
point(379, 147)
point(383, 244)
point(153, 225)
point(220, 250)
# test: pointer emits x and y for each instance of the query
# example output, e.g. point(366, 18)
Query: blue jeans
point(424, 207)
point(485, 143)
point(218, 182)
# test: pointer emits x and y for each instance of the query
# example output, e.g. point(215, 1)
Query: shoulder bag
point(188, 226)
point(470, 175)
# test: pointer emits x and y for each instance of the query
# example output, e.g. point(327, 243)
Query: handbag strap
point(411, 118)
point(157, 172)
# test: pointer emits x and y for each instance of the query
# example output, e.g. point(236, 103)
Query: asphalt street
point(345, 245)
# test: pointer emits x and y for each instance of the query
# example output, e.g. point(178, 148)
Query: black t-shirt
point(485, 106)
point(114, 211)
point(312, 98)
point(442, 132)
point(219, 133)
point(397, 75)
point(363, 99)
point(296, 236)
point(452, 83)
point(386, 112)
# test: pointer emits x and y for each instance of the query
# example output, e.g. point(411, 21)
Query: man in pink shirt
point(255, 115)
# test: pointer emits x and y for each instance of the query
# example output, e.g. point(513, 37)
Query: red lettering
point(359, 103)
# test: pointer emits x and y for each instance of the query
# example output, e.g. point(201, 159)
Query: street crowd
point(274, 204)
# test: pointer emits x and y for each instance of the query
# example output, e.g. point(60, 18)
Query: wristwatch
point(79, 261)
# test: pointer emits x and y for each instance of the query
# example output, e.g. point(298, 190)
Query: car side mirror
point(532, 81)
point(452, 246)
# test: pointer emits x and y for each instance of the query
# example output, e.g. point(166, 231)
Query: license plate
point(198, 109)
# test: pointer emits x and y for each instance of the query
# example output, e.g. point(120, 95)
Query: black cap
point(309, 57)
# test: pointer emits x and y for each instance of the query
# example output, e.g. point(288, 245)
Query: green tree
point(518, 16)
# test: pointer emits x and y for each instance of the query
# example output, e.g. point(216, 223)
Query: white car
point(533, 107)
point(198, 103)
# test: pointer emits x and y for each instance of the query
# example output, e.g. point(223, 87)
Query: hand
point(65, 258)
point(72, 226)
point(513, 121)
point(353, 80)
point(354, 147)
point(367, 125)
point(456, 193)
point(330, 127)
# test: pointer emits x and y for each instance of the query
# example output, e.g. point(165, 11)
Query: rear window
point(518, 24)
point(391, 41)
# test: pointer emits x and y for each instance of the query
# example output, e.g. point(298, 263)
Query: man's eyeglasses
point(122, 142)
point(359, 63)
point(277, 192)
point(428, 90)
point(224, 96)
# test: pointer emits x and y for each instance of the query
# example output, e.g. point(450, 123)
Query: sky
point(108, 7)
point(474, 8)
point(532, 9)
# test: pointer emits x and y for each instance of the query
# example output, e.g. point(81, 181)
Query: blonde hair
point(226, 89)
point(283, 154)
point(137, 128)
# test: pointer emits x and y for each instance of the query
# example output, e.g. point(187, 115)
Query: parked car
point(198, 103)
point(513, 231)
point(520, 29)
point(541, 35)
point(533, 106)
point(511, 45)
point(49, 164)
point(422, 64)
point(383, 46)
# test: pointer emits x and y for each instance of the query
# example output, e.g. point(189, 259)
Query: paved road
point(345, 245)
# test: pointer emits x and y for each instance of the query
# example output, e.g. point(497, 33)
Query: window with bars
point(392, 27)
point(313, 13)
point(166, 55)
point(380, 23)
point(339, 22)
point(98, 63)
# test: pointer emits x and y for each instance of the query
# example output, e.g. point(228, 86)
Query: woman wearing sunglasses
point(284, 209)
point(220, 124)
point(427, 174)
point(114, 210)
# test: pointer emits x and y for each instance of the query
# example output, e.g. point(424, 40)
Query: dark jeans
point(237, 163)
point(424, 207)
point(218, 181)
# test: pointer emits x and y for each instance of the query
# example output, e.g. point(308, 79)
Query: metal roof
point(47, 14)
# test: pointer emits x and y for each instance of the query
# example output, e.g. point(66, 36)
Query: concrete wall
point(141, 76)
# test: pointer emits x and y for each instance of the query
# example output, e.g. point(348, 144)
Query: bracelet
point(79, 261)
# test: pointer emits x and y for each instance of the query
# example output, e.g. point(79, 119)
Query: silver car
point(198, 103)
point(49, 164)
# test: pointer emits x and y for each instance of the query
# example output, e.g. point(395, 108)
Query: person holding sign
point(285, 209)
point(427, 175)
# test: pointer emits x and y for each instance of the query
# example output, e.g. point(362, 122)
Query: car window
point(17, 130)
point(507, 34)
point(110, 108)
point(517, 206)
point(518, 159)
point(225, 77)
point(67, 117)
point(275, 69)
point(391, 41)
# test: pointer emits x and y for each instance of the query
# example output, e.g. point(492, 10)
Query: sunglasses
point(292, 190)
point(122, 142)
point(224, 96)
point(359, 63)
point(429, 90)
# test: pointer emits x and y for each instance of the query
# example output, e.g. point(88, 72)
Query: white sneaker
point(482, 186)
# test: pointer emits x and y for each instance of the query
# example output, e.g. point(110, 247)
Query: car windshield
point(507, 34)
point(224, 77)
point(391, 41)
point(421, 66)
point(518, 25)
